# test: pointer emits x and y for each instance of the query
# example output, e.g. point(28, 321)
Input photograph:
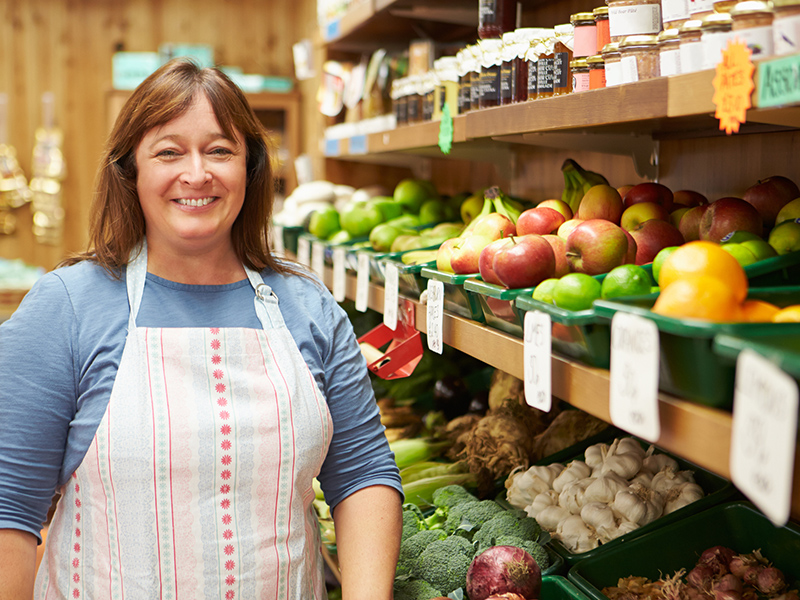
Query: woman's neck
point(205, 268)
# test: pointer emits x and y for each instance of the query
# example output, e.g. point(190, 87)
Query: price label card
point(278, 246)
point(390, 296)
point(362, 282)
point(339, 274)
point(304, 251)
point(537, 360)
point(733, 85)
point(318, 259)
point(435, 315)
point(633, 391)
point(763, 434)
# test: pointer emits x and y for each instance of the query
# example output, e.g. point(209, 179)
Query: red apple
point(493, 225)
point(558, 205)
point(541, 220)
point(624, 189)
point(689, 224)
point(770, 195)
point(601, 202)
point(567, 227)
point(596, 246)
point(444, 253)
point(486, 259)
point(641, 212)
point(467, 252)
point(649, 192)
point(560, 250)
point(653, 235)
point(688, 198)
point(630, 255)
point(526, 262)
point(729, 214)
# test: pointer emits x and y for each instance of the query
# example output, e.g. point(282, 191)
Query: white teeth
point(195, 202)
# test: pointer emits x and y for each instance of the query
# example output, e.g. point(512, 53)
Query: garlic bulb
point(628, 445)
point(572, 496)
point(666, 479)
point(639, 504)
point(681, 495)
point(575, 471)
point(602, 519)
point(626, 527)
point(624, 457)
point(576, 535)
point(595, 454)
point(605, 488)
point(523, 486)
point(550, 517)
point(658, 462)
point(542, 501)
point(643, 477)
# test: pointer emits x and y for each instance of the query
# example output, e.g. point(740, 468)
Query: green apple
point(324, 223)
point(358, 218)
point(403, 242)
point(736, 237)
point(433, 211)
point(742, 255)
point(471, 207)
point(659, 259)
point(388, 207)
point(760, 248)
point(383, 235)
point(340, 237)
point(412, 193)
point(785, 237)
point(405, 221)
point(544, 291)
point(789, 212)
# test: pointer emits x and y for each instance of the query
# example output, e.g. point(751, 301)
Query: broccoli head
point(414, 589)
point(513, 523)
point(412, 547)
point(536, 550)
point(450, 495)
point(413, 521)
point(470, 516)
point(444, 563)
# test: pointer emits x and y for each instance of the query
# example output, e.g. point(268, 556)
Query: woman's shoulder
point(85, 281)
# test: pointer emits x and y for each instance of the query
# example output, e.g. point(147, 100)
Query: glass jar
point(602, 25)
point(597, 72)
point(669, 52)
point(414, 100)
point(475, 77)
point(491, 61)
point(674, 13)
point(523, 40)
point(639, 58)
point(698, 9)
point(715, 33)
point(447, 73)
point(463, 56)
point(399, 101)
point(579, 69)
point(428, 93)
point(786, 26)
point(544, 67)
point(507, 75)
point(496, 17)
point(633, 17)
point(611, 60)
point(724, 6)
point(585, 34)
point(691, 46)
point(532, 60)
point(562, 56)
point(752, 23)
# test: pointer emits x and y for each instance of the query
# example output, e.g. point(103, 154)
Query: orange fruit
point(790, 314)
point(700, 297)
point(758, 311)
point(704, 258)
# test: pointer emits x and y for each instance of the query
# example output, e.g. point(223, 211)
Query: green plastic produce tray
point(688, 366)
point(456, 299)
point(410, 282)
point(498, 304)
point(290, 236)
point(717, 490)
point(781, 348)
point(377, 261)
point(556, 587)
point(777, 271)
point(736, 525)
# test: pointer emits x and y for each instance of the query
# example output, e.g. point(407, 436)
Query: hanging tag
point(633, 382)
point(303, 251)
point(733, 84)
point(537, 360)
point(339, 274)
point(446, 130)
point(435, 315)
point(763, 435)
point(278, 246)
point(318, 259)
point(390, 296)
point(362, 282)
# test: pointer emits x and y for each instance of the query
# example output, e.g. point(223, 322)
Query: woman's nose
point(196, 172)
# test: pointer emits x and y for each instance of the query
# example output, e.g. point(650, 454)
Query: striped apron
point(198, 483)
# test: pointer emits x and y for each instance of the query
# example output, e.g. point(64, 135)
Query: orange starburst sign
point(733, 85)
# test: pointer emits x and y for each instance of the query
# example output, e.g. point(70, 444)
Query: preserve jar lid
point(669, 35)
point(582, 18)
point(610, 48)
point(750, 7)
point(600, 11)
point(578, 63)
point(717, 21)
point(597, 59)
point(637, 41)
point(784, 3)
point(691, 25)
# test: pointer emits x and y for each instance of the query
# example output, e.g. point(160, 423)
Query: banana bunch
point(577, 182)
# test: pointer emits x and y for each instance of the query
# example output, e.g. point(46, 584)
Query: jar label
point(691, 57)
point(561, 71)
point(490, 85)
point(713, 45)
point(758, 39)
point(786, 35)
point(506, 83)
point(463, 97)
point(670, 62)
point(533, 76)
point(580, 82)
point(475, 91)
point(412, 113)
point(674, 10)
point(597, 78)
point(545, 77)
point(634, 20)
point(629, 69)
point(700, 6)
point(487, 12)
point(585, 41)
point(613, 74)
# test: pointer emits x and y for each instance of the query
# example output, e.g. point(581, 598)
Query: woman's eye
point(221, 151)
point(167, 153)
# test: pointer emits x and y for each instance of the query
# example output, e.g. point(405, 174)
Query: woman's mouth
point(195, 201)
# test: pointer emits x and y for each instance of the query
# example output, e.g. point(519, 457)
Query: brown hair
point(117, 222)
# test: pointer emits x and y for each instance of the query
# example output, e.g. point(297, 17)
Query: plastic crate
point(688, 365)
point(377, 261)
point(781, 348)
point(410, 282)
point(290, 235)
point(498, 304)
point(556, 587)
point(777, 271)
point(457, 300)
point(736, 525)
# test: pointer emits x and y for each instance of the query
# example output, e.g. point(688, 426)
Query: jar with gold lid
point(633, 17)
point(611, 60)
point(602, 26)
point(786, 26)
point(579, 69)
point(545, 58)
point(699, 9)
point(691, 46)
point(752, 23)
point(724, 6)
point(491, 61)
point(562, 56)
point(715, 33)
point(585, 34)
point(639, 58)
point(669, 52)
point(597, 71)
point(674, 13)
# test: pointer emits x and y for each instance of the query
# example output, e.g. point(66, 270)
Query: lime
point(576, 291)
point(760, 249)
point(412, 193)
point(544, 291)
point(741, 253)
point(660, 258)
point(625, 280)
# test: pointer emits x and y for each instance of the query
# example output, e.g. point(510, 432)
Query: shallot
point(502, 570)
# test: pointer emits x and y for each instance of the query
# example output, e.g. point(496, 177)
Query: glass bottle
point(562, 56)
point(496, 17)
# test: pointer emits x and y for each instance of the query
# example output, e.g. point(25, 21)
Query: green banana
point(504, 205)
point(488, 207)
point(578, 181)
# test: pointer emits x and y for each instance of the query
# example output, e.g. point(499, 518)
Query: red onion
point(790, 595)
point(738, 565)
point(728, 583)
point(751, 573)
point(718, 558)
point(701, 577)
point(770, 581)
point(503, 569)
point(727, 595)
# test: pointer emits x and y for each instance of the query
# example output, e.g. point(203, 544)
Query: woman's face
point(191, 182)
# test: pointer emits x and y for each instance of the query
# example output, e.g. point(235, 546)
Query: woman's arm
point(18, 564)
point(368, 526)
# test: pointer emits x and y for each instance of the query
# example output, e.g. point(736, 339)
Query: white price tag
point(633, 389)
point(318, 259)
point(763, 435)
point(435, 315)
point(278, 246)
point(362, 282)
point(304, 251)
point(537, 360)
point(339, 274)
point(390, 296)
